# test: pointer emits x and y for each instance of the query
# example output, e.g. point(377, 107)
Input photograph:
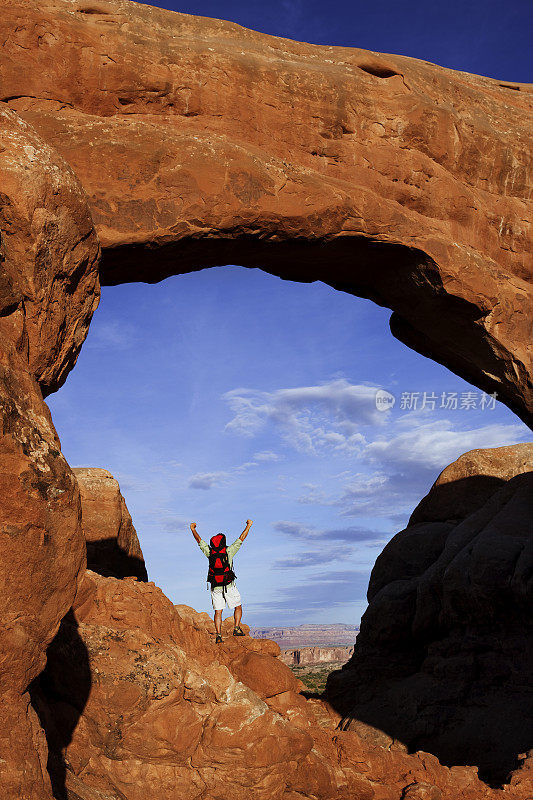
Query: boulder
point(113, 547)
point(266, 676)
point(467, 483)
point(137, 699)
point(135, 702)
point(445, 653)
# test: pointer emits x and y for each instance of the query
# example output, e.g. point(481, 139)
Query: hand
point(193, 526)
point(249, 522)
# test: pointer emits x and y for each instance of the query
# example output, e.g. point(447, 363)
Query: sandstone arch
point(193, 143)
point(199, 142)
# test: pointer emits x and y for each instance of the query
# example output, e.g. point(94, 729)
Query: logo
point(384, 400)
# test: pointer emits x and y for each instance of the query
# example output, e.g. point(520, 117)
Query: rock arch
point(199, 142)
point(193, 142)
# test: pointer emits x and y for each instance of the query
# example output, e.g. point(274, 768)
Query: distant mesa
point(311, 635)
point(304, 656)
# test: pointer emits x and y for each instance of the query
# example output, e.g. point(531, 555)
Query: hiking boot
point(238, 631)
point(218, 640)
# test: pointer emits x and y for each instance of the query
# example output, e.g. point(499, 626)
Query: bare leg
point(237, 615)
point(218, 622)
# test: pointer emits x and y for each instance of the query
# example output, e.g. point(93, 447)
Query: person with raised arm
point(222, 577)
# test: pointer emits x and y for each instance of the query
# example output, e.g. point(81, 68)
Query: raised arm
point(244, 534)
point(195, 532)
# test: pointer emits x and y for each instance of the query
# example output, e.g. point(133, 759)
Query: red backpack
point(220, 572)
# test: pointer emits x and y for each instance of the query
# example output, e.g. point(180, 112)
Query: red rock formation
point(138, 701)
point(200, 142)
point(49, 252)
point(444, 657)
point(48, 289)
point(113, 548)
point(467, 483)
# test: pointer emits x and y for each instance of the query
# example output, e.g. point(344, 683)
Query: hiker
point(221, 576)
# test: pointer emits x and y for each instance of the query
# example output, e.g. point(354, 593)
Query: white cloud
point(327, 590)
point(434, 445)
point(245, 467)
point(403, 465)
point(207, 480)
point(172, 522)
point(327, 416)
point(315, 496)
point(134, 483)
point(266, 455)
point(392, 496)
point(295, 529)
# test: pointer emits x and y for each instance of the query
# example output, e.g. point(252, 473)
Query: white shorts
point(231, 596)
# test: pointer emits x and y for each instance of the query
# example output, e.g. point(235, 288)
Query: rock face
point(138, 701)
point(315, 655)
point(199, 142)
point(466, 484)
point(48, 290)
point(444, 657)
point(158, 711)
point(113, 548)
point(49, 254)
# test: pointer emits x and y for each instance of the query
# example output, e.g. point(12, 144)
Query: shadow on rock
point(444, 657)
point(59, 695)
point(109, 559)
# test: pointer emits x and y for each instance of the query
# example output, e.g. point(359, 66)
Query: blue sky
point(228, 393)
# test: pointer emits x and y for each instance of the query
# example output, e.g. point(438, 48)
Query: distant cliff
point(333, 635)
point(316, 655)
